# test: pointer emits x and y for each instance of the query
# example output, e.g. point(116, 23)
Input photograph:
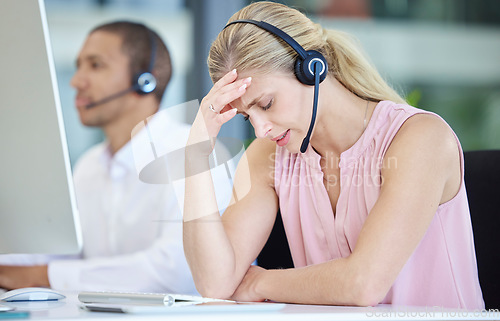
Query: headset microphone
point(310, 67)
point(305, 142)
point(142, 83)
point(109, 98)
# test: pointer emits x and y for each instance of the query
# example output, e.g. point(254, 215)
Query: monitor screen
point(38, 212)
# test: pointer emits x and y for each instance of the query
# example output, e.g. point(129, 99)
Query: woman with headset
point(370, 189)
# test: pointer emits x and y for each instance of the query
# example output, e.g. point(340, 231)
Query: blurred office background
point(443, 55)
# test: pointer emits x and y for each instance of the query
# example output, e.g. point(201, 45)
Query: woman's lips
point(283, 139)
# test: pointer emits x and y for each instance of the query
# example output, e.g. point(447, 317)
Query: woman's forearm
point(337, 282)
point(206, 245)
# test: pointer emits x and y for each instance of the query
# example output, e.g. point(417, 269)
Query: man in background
point(132, 231)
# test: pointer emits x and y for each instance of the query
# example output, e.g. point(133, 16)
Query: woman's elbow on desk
point(367, 292)
point(362, 285)
point(355, 289)
point(215, 291)
point(215, 288)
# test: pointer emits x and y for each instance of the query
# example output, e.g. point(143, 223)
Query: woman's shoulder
point(426, 147)
point(430, 130)
point(416, 127)
point(426, 138)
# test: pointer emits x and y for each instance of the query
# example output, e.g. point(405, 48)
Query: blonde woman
point(375, 209)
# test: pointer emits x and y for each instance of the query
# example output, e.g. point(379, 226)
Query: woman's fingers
point(220, 101)
point(230, 93)
point(228, 115)
point(215, 108)
point(226, 79)
point(226, 108)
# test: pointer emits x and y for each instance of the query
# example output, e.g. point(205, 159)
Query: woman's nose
point(261, 126)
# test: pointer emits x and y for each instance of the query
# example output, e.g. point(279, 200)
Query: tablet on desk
point(184, 307)
point(157, 303)
point(162, 299)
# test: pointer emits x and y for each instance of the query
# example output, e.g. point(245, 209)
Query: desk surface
point(70, 309)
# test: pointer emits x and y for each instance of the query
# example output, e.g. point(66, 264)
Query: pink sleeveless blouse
point(441, 272)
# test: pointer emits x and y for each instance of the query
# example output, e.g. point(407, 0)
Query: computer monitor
point(38, 212)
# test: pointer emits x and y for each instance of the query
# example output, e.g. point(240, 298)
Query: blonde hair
point(247, 47)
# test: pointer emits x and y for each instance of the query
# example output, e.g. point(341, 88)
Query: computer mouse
point(31, 294)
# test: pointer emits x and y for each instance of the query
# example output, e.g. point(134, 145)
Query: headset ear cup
point(299, 73)
point(144, 83)
point(304, 70)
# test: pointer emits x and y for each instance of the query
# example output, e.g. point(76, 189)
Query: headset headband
point(152, 57)
point(277, 32)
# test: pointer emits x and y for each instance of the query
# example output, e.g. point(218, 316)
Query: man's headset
point(143, 82)
point(310, 67)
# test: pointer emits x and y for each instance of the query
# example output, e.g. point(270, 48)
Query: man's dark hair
point(137, 45)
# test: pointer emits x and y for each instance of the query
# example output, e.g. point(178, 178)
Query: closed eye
point(268, 105)
point(247, 117)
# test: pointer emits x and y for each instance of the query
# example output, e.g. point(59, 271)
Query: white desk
point(69, 309)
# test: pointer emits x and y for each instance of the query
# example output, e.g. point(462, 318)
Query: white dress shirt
point(132, 231)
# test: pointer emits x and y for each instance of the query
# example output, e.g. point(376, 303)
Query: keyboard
point(141, 298)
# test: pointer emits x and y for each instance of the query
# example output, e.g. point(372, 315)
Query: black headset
point(310, 67)
point(143, 82)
